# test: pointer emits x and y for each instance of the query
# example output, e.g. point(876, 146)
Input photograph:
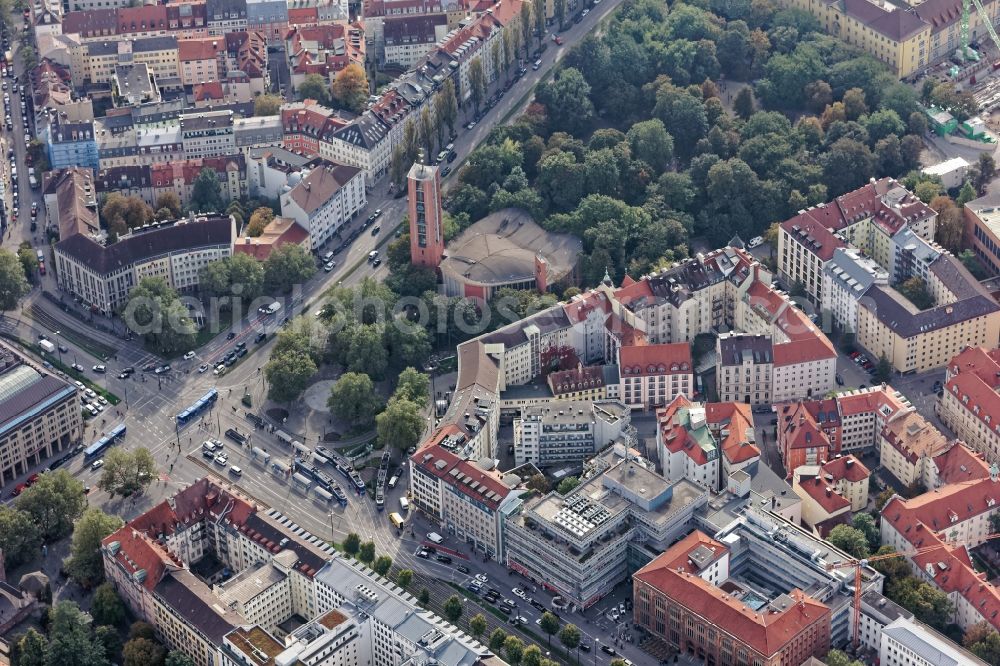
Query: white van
point(373, 255)
point(404, 504)
point(235, 471)
point(434, 537)
point(393, 481)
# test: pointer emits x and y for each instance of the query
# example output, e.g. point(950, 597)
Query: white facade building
point(325, 200)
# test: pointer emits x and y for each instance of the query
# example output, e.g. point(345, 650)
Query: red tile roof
point(848, 468)
point(736, 419)
point(629, 294)
point(868, 401)
point(206, 48)
point(581, 306)
point(813, 235)
point(974, 382)
point(924, 522)
point(824, 494)
point(766, 632)
point(798, 429)
point(803, 351)
point(653, 360)
point(139, 553)
point(940, 508)
point(210, 90)
point(960, 463)
point(437, 461)
point(681, 551)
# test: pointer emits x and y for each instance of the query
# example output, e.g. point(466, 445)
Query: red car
point(31, 480)
point(18, 489)
point(855, 354)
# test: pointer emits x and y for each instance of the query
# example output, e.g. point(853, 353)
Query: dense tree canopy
point(636, 160)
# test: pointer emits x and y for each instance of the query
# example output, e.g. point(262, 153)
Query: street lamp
point(59, 347)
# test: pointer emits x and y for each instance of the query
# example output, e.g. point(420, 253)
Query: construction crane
point(860, 564)
point(966, 53)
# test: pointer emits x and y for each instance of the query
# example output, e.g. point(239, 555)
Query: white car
point(482, 578)
point(221, 459)
point(219, 370)
point(519, 593)
point(189, 356)
point(202, 368)
point(97, 464)
point(755, 241)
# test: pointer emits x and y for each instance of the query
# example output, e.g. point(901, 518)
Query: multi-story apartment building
point(582, 544)
point(308, 125)
point(867, 218)
point(846, 279)
point(39, 415)
point(691, 598)
point(907, 642)
point(970, 404)
point(908, 444)
point(601, 382)
point(208, 134)
point(964, 315)
point(70, 199)
point(199, 59)
point(282, 573)
point(936, 530)
point(181, 20)
point(467, 500)
point(894, 229)
point(226, 16)
point(179, 176)
point(557, 432)
point(653, 375)
point(71, 144)
point(407, 39)
point(744, 365)
point(831, 491)
point(705, 443)
point(981, 231)
point(907, 39)
point(325, 200)
point(269, 18)
point(811, 431)
point(257, 132)
point(102, 276)
point(98, 60)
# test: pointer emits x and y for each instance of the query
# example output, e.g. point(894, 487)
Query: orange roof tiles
point(681, 551)
point(924, 522)
point(960, 463)
point(665, 359)
point(736, 419)
point(199, 49)
point(766, 632)
point(824, 494)
point(848, 468)
point(437, 461)
point(137, 553)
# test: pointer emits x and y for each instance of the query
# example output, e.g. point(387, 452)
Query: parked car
point(100, 369)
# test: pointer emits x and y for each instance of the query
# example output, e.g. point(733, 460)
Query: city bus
point(397, 520)
point(98, 447)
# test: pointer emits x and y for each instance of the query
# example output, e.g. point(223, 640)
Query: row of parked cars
point(863, 361)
